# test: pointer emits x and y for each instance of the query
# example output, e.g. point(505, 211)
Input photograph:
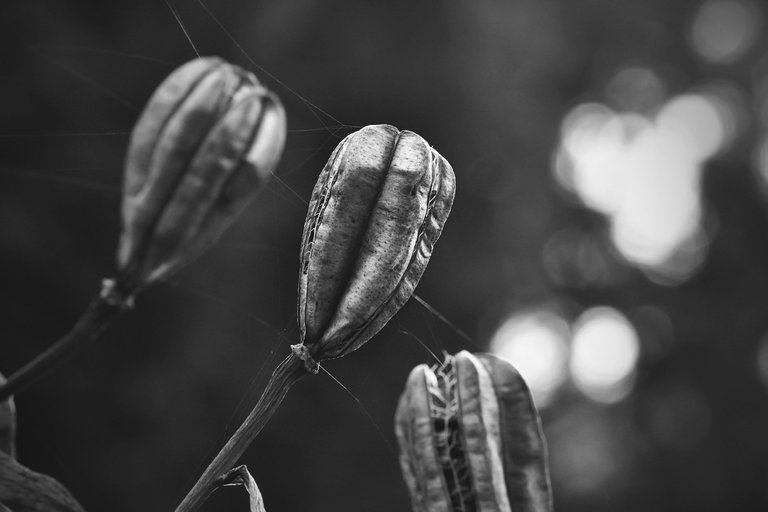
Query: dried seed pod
point(376, 211)
point(208, 138)
point(470, 438)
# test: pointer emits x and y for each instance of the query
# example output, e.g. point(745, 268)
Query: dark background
point(131, 421)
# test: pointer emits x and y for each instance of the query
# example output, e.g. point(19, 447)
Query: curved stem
point(96, 317)
point(287, 373)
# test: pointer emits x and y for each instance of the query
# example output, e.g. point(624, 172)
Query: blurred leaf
point(27, 491)
point(7, 426)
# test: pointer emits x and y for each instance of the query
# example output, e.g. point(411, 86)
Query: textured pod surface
point(470, 438)
point(376, 211)
point(208, 138)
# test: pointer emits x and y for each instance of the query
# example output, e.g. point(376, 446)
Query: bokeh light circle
point(604, 353)
point(536, 343)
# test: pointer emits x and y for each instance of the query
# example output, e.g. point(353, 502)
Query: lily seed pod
point(377, 210)
point(470, 438)
point(209, 137)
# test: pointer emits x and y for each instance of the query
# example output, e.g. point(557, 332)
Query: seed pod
point(376, 211)
point(207, 140)
point(470, 438)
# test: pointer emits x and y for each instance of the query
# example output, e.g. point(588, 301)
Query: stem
point(287, 373)
point(96, 317)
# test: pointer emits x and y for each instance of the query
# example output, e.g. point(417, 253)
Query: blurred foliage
point(131, 421)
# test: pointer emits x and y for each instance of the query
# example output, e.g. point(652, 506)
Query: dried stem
point(97, 316)
point(288, 372)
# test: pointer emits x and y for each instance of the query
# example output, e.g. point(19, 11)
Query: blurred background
point(609, 238)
